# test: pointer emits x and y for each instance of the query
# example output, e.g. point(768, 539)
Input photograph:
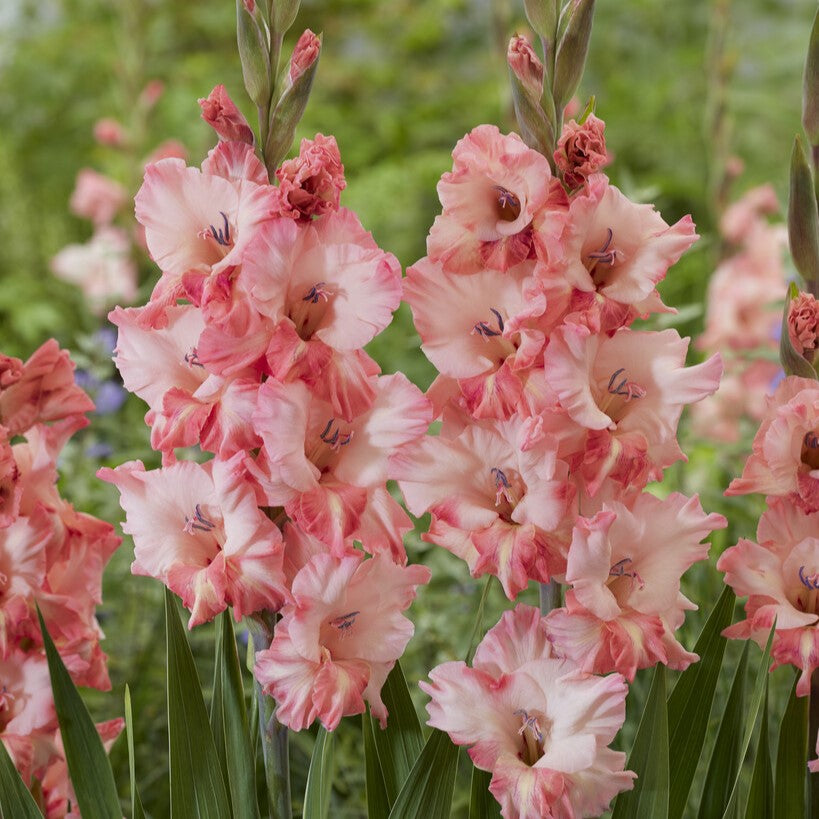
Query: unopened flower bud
point(803, 324)
point(250, 5)
point(305, 54)
point(152, 93)
point(581, 150)
point(525, 65)
point(221, 113)
point(109, 132)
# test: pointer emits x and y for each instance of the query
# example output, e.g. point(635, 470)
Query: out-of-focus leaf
point(377, 803)
point(428, 790)
point(754, 704)
point(689, 705)
point(197, 785)
point(137, 811)
point(649, 760)
point(803, 219)
point(724, 764)
point(572, 51)
point(761, 793)
point(15, 800)
point(401, 742)
point(88, 763)
point(810, 87)
point(320, 777)
point(482, 805)
point(792, 759)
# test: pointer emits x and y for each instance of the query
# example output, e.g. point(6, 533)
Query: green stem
point(549, 596)
point(476, 628)
point(273, 735)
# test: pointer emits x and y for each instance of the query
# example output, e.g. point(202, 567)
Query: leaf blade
point(16, 801)
point(320, 777)
point(792, 758)
point(482, 805)
point(378, 804)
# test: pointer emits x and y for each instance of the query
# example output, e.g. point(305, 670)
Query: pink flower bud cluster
point(251, 348)
point(555, 416)
point(744, 315)
point(51, 555)
point(780, 573)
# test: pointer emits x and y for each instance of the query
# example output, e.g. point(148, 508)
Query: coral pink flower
point(329, 474)
point(499, 498)
point(624, 568)
point(495, 189)
point(305, 53)
point(619, 251)
point(537, 723)
point(198, 223)
point(803, 324)
point(628, 390)
point(526, 65)
point(785, 458)
point(328, 289)
point(102, 268)
point(780, 575)
point(481, 329)
point(97, 197)
point(221, 113)
point(40, 390)
point(10, 488)
point(198, 529)
point(339, 638)
point(581, 150)
point(312, 182)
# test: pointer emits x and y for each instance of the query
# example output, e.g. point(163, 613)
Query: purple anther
point(192, 358)
point(811, 582)
point(222, 236)
point(604, 255)
point(628, 389)
point(337, 439)
point(198, 523)
point(316, 292)
point(529, 722)
point(811, 440)
point(619, 569)
point(498, 317)
point(344, 622)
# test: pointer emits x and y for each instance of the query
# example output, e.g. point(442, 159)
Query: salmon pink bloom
point(624, 569)
point(328, 289)
point(785, 458)
point(780, 576)
point(480, 328)
point(339, 638)
point(330, 475)
point(311, 183)
point(628, 390)
point(803, 324)
point(499, 497)
point(490, 198)
point(535, 721)
point(97, 197)
point(617, 251)
point(581, 150)
point(221, 113)
point(198, 529)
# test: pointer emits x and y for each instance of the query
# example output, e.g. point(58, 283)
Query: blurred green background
point(682, 87)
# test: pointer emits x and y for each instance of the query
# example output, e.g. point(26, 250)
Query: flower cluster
point(251, 348)
point(743, 316)
point(50, 555)
point(104, 267)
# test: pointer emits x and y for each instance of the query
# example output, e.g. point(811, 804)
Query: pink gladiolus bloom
point(785, 458)
point(780, 575)
point(235, 161)
point(10, 488)
point(490, 198)
point(96, 197)
point(624, 568)
point(330, 474)
point(305, 53)
point(328, 289)
point(581, 150)
point(803, 324)
point(481, 329)
point(339, 638)
point(628, 390)
point(312, 182)
point(221, 113)
point(102, 268)
point(746, 215)
point(499, 498)
point(526, 65)
point(41, 390)
point(535, 721)
point(619, 251)
point(198, 529)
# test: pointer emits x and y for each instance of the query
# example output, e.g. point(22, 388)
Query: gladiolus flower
point(221, 113)
point(581, 150)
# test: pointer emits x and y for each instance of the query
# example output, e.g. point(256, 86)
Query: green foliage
point(482, 805)
point(320, 777)
point(791, 759)
point(16, 801)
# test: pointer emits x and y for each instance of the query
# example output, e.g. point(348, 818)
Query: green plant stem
point(813, 727)
point(476, 628)
point(273, 734)
point(549, 596)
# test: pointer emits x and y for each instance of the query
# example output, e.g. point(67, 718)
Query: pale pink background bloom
point(97, 197)
point(311, 183)
point(581, 150)
point(339, 638)
point(499, 498)
point(109, 132)
point(102, 268)
point(490, 198)
point(785, 457)
point(747, 214)
point(803, 324)
point(780, 576)
point(537, 723)
point(221, 113)
point(624, 569)
point(198, 529)
point(620, 251)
